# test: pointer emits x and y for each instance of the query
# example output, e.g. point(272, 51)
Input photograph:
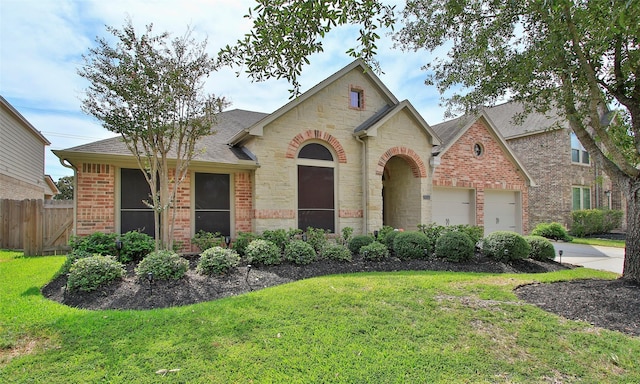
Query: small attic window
point(478, 149)
point(356, 98)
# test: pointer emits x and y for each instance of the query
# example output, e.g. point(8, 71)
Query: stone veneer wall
point(459, 167)
point(15, 189)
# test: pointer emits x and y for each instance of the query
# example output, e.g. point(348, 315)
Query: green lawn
point(601, 242)
point(405, 327)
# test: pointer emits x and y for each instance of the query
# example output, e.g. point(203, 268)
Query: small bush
point(279, 237)
point(505, 246)
point(374, 251)
point(412, 245)
point(553, 231)
point(358, 242)
point(262, 251)
point(242, 241)
point(135, 245)
point(88, 273)
point(541, 248)
point(205, 240)
point(337, 252)
point(217, 261)
point(455, 246)
point(72, 257)
point(97, 242)
point(475, 232)
point(299, 252)
point(164, 265)
point(382, 236)
point(433, 231)
point(347, 233)
point(388, 239)
point(317, 238)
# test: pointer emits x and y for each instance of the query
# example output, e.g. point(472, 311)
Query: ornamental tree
point(149, 89)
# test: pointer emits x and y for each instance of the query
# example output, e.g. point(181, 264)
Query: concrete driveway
point(591, 256)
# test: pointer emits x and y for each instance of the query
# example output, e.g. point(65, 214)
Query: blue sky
point(41, 43)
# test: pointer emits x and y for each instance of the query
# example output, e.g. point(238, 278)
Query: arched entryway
point(401, 194)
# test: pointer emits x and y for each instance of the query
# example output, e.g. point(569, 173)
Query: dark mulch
point(608, 304)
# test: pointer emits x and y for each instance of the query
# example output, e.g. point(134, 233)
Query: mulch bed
point(613, 304)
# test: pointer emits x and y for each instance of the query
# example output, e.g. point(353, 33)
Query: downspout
point(365, 185)
point(67, 164)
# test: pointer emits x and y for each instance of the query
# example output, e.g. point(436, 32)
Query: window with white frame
point(578, 153)
point(581, 197)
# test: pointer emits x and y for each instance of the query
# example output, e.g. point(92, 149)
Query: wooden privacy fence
point(37, 227)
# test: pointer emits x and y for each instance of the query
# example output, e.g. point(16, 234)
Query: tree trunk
point(631, 268)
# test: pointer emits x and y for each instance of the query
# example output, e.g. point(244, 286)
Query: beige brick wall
point(15, 189)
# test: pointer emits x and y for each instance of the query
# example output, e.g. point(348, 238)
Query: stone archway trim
point(409, 155)
point(316, 134)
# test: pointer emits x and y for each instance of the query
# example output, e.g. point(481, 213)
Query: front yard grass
point(404, 327)
point(599, 242)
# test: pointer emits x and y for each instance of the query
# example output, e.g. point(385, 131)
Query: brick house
point(345, 153)
point(22, 157)
point(479, 180)
point(567, 177)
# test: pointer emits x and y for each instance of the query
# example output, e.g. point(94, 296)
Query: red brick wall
point(96, 199)
point(243, 201)
point(460, 167)
point(182, 224)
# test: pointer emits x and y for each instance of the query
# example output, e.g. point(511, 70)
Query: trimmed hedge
point(164, 264)
point(505, 246)
point(358, 242)
point(541, 248)
point(299, 252)
point(374, 251)
point(412, 245)
point(88, 273)
point(135, 246)
point(553, 231)
point(217, 261)
point(262, 251)
point(337, 252)
point(593, 221)
point(455, 246)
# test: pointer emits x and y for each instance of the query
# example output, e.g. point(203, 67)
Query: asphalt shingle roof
point(211, 148)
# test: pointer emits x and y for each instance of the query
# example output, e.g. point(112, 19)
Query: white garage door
point(502, 211)
point(453, 206)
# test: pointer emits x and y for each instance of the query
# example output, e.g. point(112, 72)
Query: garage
point(453, 206)
point(502, 211)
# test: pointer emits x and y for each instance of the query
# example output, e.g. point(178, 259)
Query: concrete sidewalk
point(591, 256)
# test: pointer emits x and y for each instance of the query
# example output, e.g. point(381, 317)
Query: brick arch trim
point(300, 138)
point(409, 155)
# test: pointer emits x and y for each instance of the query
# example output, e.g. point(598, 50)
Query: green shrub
point(217, 261)
point(317, 238)
point(88, 273)
point(164, 264)
point(205, 240)
point(553, 231)
point(455, 246)
point(383, 233)
point(347, 233)
point(72, 257)
point(388, 239)
point(135, 245)
point(593, 221)
point(279, 237)
point(432, 231)
point(374, 251)
point(299, 252)
point(97, 242)
point(359, 241)
point(505, 246)
point(262, 251)
point(412, 245)
point(336, 252)
point(475, 232)
point(240, 243)
point(541, 248)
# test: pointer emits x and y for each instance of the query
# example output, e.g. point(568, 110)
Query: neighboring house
point(567, 177)
point(22, 150)
point(344, 153)
point(479, 180)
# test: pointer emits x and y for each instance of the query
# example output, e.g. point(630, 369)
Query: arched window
point(316, 188)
